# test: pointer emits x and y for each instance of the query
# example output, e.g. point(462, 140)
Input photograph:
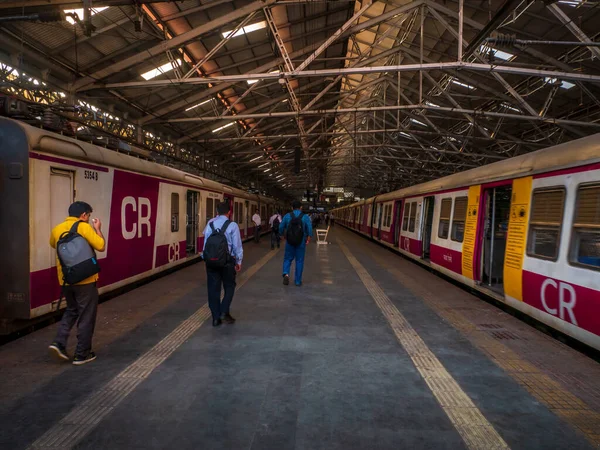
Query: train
point(525, 231)
point(153, 216)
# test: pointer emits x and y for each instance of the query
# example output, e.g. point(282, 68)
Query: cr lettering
point(566, 299)
point(142, 206)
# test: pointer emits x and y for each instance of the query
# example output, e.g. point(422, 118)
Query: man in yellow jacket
point(82, 298)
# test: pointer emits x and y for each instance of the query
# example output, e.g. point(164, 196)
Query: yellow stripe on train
point(517, 237)
point(470, 232)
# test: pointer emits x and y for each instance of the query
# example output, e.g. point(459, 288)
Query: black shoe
point(59, 350)
point(286, 280)
point(77, 361)
point(217, 322)
point(228, 319)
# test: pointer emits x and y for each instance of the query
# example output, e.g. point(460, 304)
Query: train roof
point(570, 154)
point(57, 144)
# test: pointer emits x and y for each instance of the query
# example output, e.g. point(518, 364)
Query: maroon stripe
point(67, 162)
point(579, 169)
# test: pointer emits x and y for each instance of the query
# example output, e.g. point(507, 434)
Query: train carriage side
point(525, 231)
point(153, 216)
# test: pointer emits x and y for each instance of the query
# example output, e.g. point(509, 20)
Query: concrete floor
point(303, 368)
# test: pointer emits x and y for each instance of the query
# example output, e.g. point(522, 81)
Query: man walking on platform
point(257, 226)
point(297, 231)
point(274, 223)
point(82, 296)
point(223, 254)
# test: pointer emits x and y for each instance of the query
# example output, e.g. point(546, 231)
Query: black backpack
point(295, 230)
point(276, 224)
point(77, 258)
point(216, 249)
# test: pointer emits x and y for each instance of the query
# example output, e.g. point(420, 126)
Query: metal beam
point(172, 107)
point(175, 42)
point(573, 28)
point(334, 36)
point(474, 112)
point(513, 70)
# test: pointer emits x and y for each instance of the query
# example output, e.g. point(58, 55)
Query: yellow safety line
point(84, 418)
point(541, 386)
point(473, 427)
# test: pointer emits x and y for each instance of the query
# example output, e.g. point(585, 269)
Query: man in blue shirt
point(225, 276)
point(295, 252)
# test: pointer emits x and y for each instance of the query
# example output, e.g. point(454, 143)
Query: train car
point(525, 231)
point(153, 216)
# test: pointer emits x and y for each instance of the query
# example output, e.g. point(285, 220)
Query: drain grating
point(506, 336)
point(490, 326)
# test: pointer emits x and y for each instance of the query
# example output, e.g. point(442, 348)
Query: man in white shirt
point(257, 226)
point(274, 222)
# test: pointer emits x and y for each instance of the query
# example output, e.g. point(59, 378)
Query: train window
point(444, 224)
point(412, 217)
point(240, 213)
point(545, 223)
point(458, 219)
point(585, 243)
point(210, 207)
point(174, 212)
point(405, 216)
point(388, 216)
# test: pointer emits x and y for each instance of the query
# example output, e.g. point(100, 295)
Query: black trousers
point(82, 307)
point(275, 238)
point(215, 279)
point(257, 230)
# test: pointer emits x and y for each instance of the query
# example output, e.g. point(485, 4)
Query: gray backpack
point(77, 258)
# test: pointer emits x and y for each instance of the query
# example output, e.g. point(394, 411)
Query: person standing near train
point(222, 254)
point(297, 231)
point(82, 297)
point(257, 226)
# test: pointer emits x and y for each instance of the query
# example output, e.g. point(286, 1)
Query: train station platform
point(371, 352)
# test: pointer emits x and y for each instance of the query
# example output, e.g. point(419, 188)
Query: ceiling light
point(279, 176)
point(255, 159)
point(428, 103)
point(460, 83)
point(563, 84)
point(379, 159)
point(160, 70)
point(251, 81)
point(512, 108)
point(263, 165)
point(224, 126)
point(247, 29)
point(267, 170)
point(199, 104)
point(418, 122)
point(79, 13)
point(497, 53)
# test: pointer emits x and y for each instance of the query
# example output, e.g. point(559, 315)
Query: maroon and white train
point(525, 231)
point(153, 216)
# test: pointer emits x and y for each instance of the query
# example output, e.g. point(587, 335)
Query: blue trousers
point(292, 253)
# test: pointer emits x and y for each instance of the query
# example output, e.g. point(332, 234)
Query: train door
point(397, 223)
point(428, 206)
point(495, 231)
point(62, 194)
point(372, 217)
point(379, 216)
point(191, 223)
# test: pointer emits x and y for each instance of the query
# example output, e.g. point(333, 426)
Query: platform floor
point(372, 352)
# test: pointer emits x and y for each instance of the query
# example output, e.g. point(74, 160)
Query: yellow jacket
point(85, 230)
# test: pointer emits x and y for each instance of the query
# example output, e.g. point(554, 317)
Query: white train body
point(525, 231)
point(153, 216)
